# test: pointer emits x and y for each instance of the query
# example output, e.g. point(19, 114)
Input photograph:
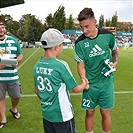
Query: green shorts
point(100, 93)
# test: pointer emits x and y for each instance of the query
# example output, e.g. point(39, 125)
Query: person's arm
point(19, 57)
point(81, 70)
point(82, 86)
point(36, 91)
point(115, 58)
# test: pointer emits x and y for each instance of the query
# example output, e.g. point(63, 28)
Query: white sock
point(89, 132)
point(106, 132)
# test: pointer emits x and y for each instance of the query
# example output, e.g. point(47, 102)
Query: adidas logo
point(96, 50)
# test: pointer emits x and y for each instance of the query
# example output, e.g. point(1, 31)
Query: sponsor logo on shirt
point(96, 50)
point(47, 103)
point(87, 44)
point(9, 44)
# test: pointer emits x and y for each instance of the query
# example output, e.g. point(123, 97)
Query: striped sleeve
point(78, 53)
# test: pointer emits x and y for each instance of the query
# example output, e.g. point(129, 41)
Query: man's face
point(2, 30)
point(88, 26)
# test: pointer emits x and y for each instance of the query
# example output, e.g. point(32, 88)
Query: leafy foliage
point(29, 28)
point(101, 21)
point(59, 18)
point(71, 25)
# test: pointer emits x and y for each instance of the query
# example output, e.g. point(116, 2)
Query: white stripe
point(8, 71)
point(94, 49)
point(77, 58)
point(64, 102)
point(9, 78)
point(10, 41)
point(118, 92)
point(7, 55)
point(66, 65)
point(115, 47)
point(27, 59)
point(124, 92)
point(11, 48)
point(98, 47)
point(73, 94)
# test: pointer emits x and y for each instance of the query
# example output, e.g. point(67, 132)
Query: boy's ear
point(56, 47)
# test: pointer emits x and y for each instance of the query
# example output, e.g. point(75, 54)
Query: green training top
point(53, 80)
point(93, 52)
point(9, 48)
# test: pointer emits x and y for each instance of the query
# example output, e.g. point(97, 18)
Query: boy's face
point(59, 48)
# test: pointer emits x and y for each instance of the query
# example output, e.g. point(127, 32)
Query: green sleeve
point(19, 49)
point(79, 57)
point(112, 45)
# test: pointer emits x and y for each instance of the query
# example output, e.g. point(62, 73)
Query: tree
point(13, 28)
point(21, 30)
point(101, 21)
point(107, 23)
point(33, 30)
point(49, 23)
point(59, 18)
point(114, 21)
point(70, 23)
point(125, 27)
point(30, 28)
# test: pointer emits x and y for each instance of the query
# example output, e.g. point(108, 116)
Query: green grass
point(123, 75)
point(29, 107)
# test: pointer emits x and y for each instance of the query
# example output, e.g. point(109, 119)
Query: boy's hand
point(85, 80)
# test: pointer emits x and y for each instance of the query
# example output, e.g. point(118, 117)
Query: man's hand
point(15, 65)
point(113, 64)
point(2, 66)
point(87, 83)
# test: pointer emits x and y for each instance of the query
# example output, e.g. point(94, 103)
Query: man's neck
point(95, 32)
point(2, 38)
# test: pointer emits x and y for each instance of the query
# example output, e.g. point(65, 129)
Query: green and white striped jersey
point(93, 52)
point(53, 79)
point(9, 48)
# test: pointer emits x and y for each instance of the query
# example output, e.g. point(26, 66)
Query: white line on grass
point(27, 59)
point(73, 94)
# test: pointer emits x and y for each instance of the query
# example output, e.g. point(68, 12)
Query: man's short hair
point(1, 22)
point(85, 14)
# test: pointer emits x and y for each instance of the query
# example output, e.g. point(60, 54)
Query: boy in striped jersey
point(53, 80)
point(9, 80)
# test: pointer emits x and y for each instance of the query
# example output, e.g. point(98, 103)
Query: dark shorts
point(59, 127)
point(13, 89)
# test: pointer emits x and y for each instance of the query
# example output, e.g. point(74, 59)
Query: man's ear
point(95, 21)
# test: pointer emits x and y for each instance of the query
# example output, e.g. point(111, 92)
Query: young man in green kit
point(96, 55)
